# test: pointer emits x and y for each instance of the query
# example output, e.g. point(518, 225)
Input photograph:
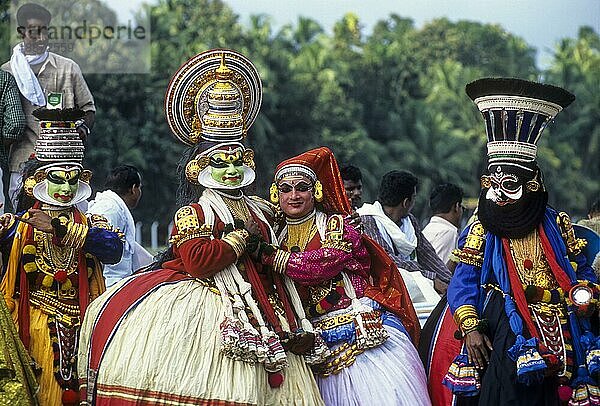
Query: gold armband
point(188, 226)
point(345, 246)
point(574, 244)
point(99, 221)
point(468, 258)
point(466, 318)
point(335, 228)
point(476, 238)
point(472, 252)
point(204, 231)
point(334, 234)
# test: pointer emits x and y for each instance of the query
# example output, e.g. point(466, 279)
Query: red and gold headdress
point(320, 166)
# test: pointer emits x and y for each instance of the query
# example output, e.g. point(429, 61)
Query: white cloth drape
point(27, 82)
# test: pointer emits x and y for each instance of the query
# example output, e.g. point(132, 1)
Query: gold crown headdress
point(215, 96)
point(213, 99)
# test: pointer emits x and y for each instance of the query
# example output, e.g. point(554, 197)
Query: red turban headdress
point(319, 164)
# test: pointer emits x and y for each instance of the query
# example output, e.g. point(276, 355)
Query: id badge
point(55, 101)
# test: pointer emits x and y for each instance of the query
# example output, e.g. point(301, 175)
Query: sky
point(541, 23)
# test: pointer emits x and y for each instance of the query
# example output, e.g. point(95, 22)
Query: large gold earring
point(39, 176)
point(533, 185)
point(85, 176)
point(28, 185)
point(249, 159)
point(485, 182)
point(274, 193)
point(192, 170)
point(318, 191)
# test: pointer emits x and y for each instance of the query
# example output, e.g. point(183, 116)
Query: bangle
point(465, 312)
point(237, 240)
point(75, 236)
point(468, 325)
point(280, 261)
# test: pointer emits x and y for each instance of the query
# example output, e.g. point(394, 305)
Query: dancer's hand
point(477, 348)
point(38, 219)
point(253, 242)
point(252, 227)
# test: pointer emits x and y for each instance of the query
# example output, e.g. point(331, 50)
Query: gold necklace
point(300, 233)
point(530, 261)
point(237, 207)
point(49, 257)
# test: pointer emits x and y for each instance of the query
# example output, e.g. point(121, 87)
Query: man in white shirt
point(390, 223)
point(442, 231)
point(123, 192)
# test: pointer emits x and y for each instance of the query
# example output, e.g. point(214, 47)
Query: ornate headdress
point(59, 147)
point(513, 198)
point(320, 166)
point(211, 102)
point(516, 112)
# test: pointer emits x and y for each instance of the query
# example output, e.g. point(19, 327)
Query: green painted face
point(227, 168)
point(63, 185)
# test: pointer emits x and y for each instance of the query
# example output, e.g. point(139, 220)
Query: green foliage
point(389, 99)
point(575, 136)
point(5, 30)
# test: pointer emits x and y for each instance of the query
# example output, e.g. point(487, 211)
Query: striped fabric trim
point(115, 394)
point(441, 353)
point(435, 339)
point(121, 302)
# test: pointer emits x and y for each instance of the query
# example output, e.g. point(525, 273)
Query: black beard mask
point(514, 220)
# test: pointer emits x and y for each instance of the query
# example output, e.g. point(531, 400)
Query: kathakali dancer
point(211, 326)
point(351, 290)
point(522, 294)
point(53, 268)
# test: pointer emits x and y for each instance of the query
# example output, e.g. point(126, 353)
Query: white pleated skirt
point(391, 374)
point(167, 350)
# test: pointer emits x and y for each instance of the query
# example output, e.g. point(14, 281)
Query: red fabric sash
point(444, 347)
point(84, 281)
point(389, 289)
point(516, 285)
point(559, 274)
point(257, 286)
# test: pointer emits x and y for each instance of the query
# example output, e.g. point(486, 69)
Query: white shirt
point(110, 205)
point(443, 235)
